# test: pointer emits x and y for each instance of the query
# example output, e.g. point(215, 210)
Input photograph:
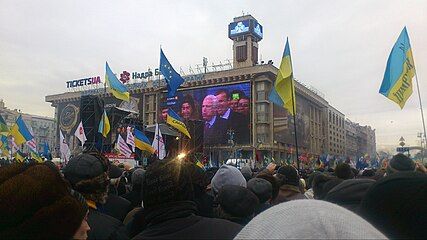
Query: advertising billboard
point(224, 112)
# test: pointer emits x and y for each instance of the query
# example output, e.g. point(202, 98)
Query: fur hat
point(88, 174)
point(288, 175)
point(400, 163)
point(36, 203)
point(343, 171)
point(261, 188)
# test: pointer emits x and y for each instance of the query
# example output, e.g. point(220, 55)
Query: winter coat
point(116, 207)
point(134, 197)
point(177, 220)
point(288, 193)
point(103, 226)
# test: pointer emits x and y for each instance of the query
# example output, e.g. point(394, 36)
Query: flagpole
point(295, 122)
point(156, 135)
point(422, 115)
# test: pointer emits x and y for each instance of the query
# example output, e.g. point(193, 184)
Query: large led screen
point(221, 109)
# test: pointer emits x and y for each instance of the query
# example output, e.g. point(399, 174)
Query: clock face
point(131, 105)
point(68, 117)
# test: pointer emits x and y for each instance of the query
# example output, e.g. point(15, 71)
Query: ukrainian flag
point(19, 156)
point(283, 92)
point(36, 157)
point(118, 89)
point(142, 142)
point(3, 142)
point(397, 81)
point(4, 130)
point(104, 125)
point(175, 121)
point(20, 132)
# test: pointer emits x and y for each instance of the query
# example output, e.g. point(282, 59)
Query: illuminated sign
point(238, 28)
point(258, 30)
point(84, 82)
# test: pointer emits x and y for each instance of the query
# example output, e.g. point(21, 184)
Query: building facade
point(269, 131)
point(43, 128)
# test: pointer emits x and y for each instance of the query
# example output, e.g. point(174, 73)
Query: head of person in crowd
point(209, 107)
point(235, 97)
point(223, 101)
point(396, 205)
point(272, 180)
point(135, 194)
point(308, 219)
point(227, 175)
point(264, 192)
point(349, 193)
point(323, 183)
point(243, 106)
point(88, 174)
point(289, 182)
point(189, 111)
point(343, 171)
point(114, 174)
point(400, 163)
point(368, 173)
point(37, 203)
point(164, 113)
point(246, 172)
point(236, 204)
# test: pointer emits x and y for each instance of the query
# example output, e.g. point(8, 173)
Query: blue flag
point(173, 79)
point(46, 150)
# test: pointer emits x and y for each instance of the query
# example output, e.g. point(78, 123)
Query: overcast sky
point(339, 47)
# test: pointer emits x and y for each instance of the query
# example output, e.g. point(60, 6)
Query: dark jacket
point(116, 207)
point(103, 226)
point(288, 193)
point(177, 220)
point(134, 197)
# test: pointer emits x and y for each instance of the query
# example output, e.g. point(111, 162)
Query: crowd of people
point(90, 198)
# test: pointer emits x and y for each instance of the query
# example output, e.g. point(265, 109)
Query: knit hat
point(87, 174)
point(246, 172)
point(308, 219)
point(138, 176)
point(343, 171)
point(273, 181)
point(349, 193)
point(288, 175)
point(396, 205)
point(238, 202)
point(36, 203)
point(167, 181)
point(261, 188)
point(114, 171)
point(400, 163)
point(227, 175)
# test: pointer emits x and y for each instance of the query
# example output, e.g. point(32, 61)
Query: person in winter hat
point(322, 184)
point(237, 204)
point(308, 219)
point(88, 174)
point(400, 163)
point(37, 203)
point(227, 175)
point(396, 205)
point(264, 192)
point(343, 171)
point(289, 181)
point(169, 208)
point(116, 206)
point(247, 172)
point(349, 193)
point(135, 195)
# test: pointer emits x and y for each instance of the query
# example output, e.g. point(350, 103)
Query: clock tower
point(246, 32)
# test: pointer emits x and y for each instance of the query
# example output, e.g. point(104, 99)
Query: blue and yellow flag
point(19, 156)
point(175, 121)
point(118, 89)
point(142, 142)
point(36, 157)
point(283, 93)
point(104, 125)
point(397, 81)
point(4, 130)
point(20, 132)
point(172, 78)
point(4, 143)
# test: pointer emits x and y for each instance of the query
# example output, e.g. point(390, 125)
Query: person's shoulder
point(95, 217)
point(221, 222)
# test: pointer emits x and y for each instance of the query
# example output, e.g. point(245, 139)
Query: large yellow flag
point(283, 93)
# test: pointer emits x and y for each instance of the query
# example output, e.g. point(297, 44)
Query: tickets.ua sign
point(84, 82)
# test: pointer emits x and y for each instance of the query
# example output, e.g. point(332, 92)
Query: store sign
point(84, 82)
point(145, 75)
